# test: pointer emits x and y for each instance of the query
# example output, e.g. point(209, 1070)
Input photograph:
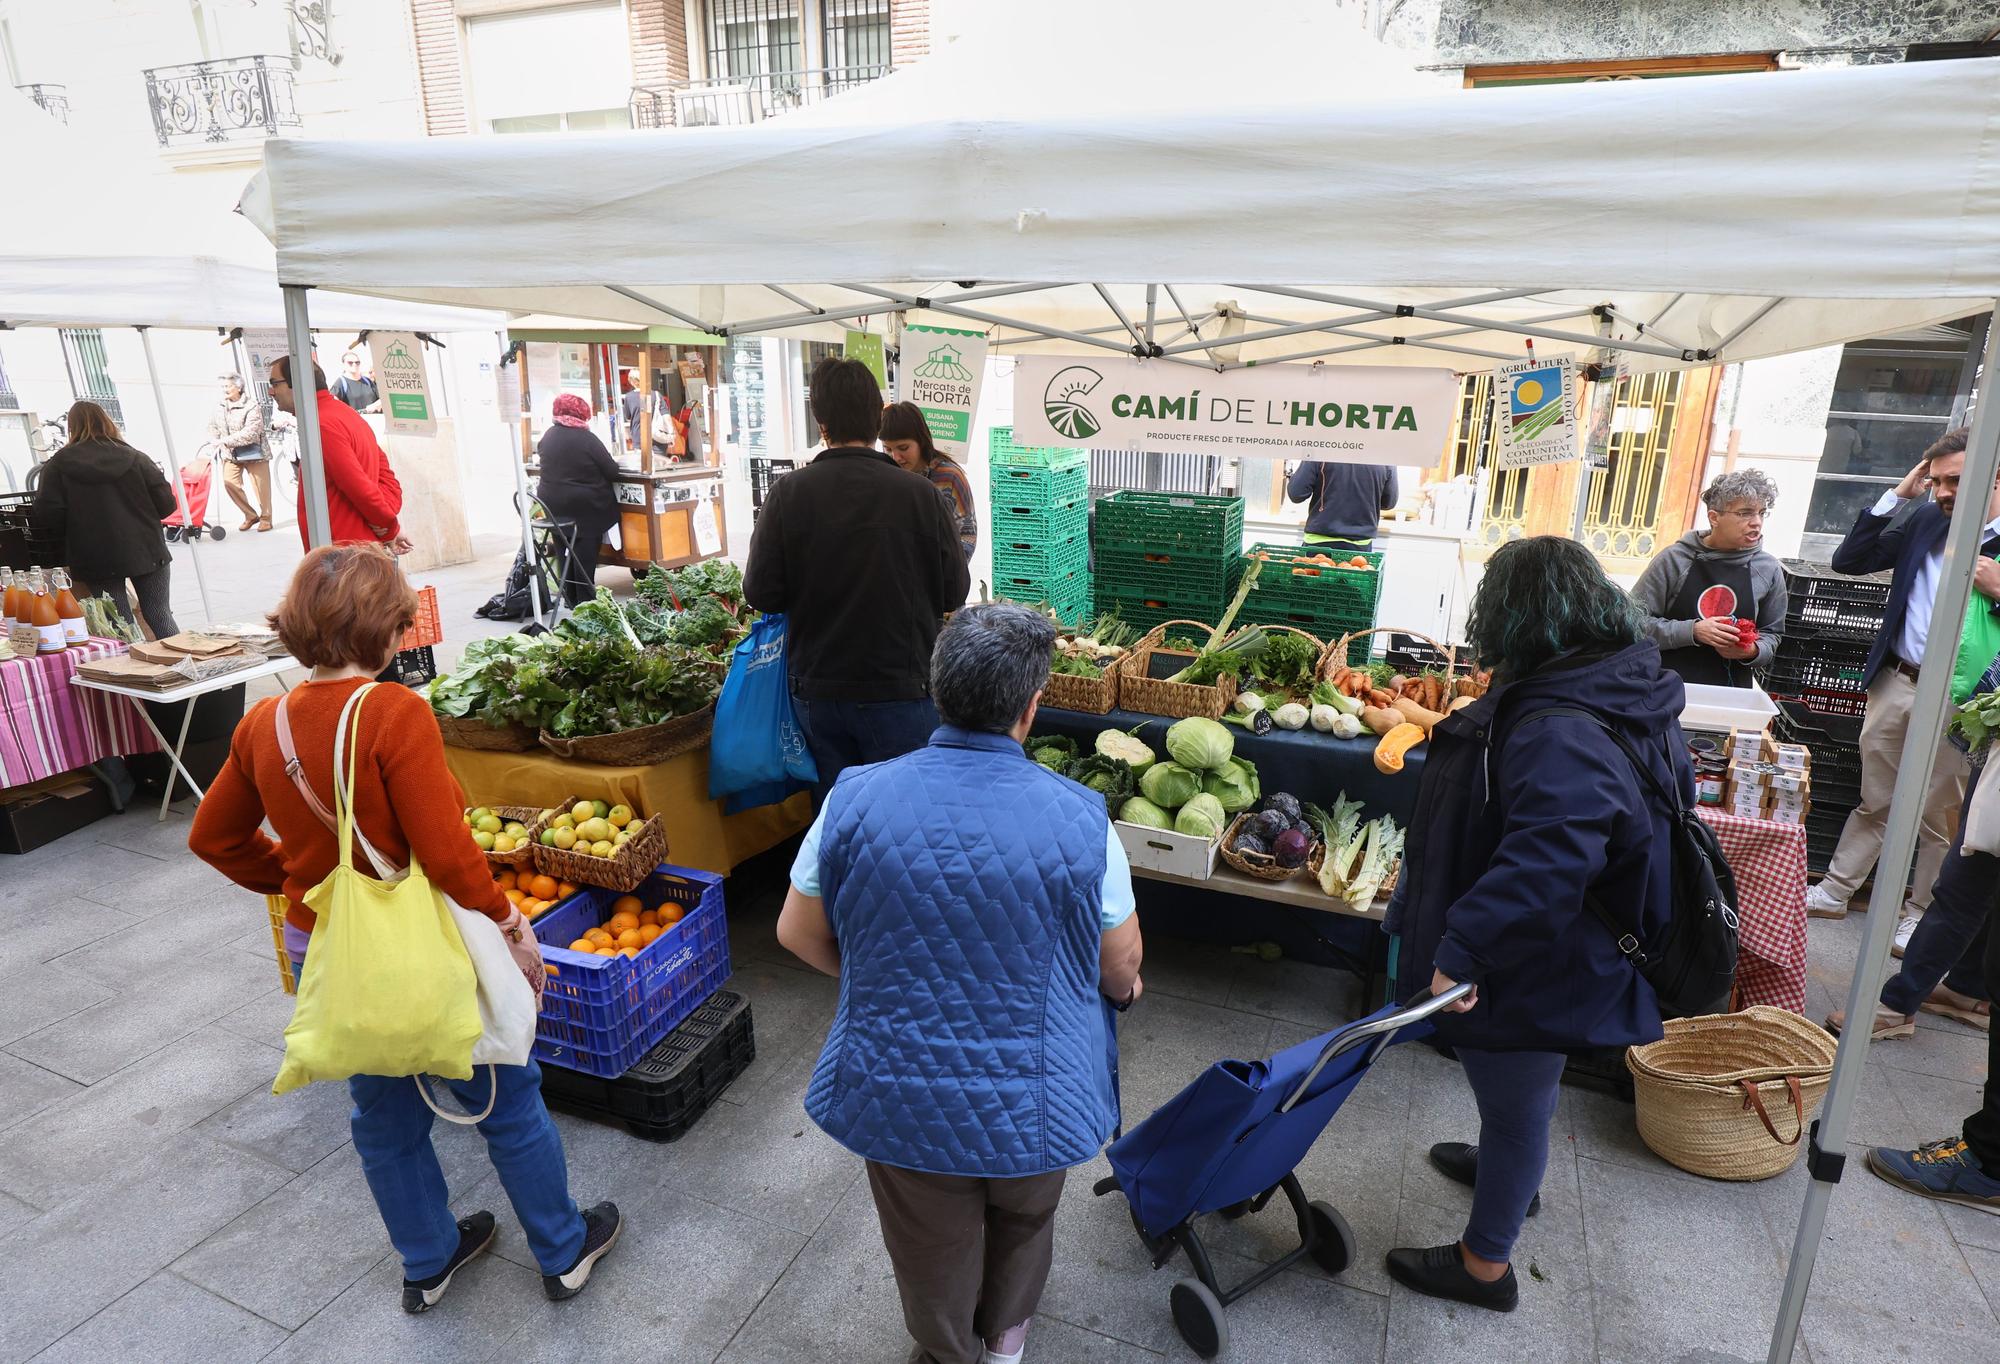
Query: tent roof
point(1689, 221)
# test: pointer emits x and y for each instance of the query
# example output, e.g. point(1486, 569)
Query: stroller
point(197, 481)
point(1228, 1143)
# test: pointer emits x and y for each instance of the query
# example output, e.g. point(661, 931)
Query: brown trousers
point(971, 1255)
point(260, 474)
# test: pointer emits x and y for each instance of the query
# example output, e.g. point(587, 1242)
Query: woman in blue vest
point(1525, 808)
point(977, 909)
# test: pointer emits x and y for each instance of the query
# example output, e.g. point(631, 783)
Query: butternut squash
point(1417, 715)
point(1380, 719)
point(1398, 741)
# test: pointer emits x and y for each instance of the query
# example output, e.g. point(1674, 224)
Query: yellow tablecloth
point(699, 835)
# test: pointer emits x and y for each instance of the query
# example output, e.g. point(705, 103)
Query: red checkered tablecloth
point(48, 726)
point(1769, 862)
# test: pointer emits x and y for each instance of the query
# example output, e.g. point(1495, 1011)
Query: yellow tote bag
point(388, 988)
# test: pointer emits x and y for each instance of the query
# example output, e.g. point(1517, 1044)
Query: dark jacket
point(578, 476)
point(863, 559)
point(105, 501)
point(1515, 821)
point(1899, 541)
point(1347, 499)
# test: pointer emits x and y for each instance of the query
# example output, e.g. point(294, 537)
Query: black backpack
point(1692, 968)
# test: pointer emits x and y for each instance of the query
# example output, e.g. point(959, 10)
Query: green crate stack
point(1328, 602)
point(1167, 556)
point(1039, 527)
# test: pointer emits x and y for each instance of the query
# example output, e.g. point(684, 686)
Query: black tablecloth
point(1312, 766)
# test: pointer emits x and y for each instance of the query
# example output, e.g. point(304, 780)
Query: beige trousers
point(260, 474)
point(1881, 751)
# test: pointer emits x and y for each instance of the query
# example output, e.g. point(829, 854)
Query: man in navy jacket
point(1912, 545)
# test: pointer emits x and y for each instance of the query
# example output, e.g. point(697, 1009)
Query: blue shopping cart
point(1229, 1143)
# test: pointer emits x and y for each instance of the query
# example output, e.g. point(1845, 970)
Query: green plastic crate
point(1050, 559)
point(1147, 609)
point(1190, 576)
point(1063, 521)
point(1030, 488)
point(1342, 593)
point(1171, 523)
point(1071, 586)
point(1001, 450)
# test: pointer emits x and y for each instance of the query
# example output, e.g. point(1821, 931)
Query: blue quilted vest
point(964, 884)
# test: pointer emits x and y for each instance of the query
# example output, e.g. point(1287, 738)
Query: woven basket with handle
point(640, 747)
point(464, 732)
point(622, 871)
point(1335, 654)
point(516, 814)
point(1261, 867)
point(1139, 691)
point(1091, 695)
point(1730, 1096)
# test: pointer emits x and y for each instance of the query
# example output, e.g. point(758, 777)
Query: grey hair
point(1740, 485)
point(236, 379)
point(989, 662)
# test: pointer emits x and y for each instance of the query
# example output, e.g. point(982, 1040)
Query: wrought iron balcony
point(727, 101)
point(54, 99)
point(235, 99)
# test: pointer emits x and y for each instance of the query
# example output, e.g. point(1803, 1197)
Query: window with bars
point(752, 38)
point(856, 34)
point(90, 369)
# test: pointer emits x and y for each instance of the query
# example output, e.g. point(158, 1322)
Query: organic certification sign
point(402, 377)
point(945, 369)
point(1534, 413)
point(1362, 414)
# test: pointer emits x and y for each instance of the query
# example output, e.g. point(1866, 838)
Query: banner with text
point(404, 381)
point(945, 368)
point(1534, 414)
point(1362, 414)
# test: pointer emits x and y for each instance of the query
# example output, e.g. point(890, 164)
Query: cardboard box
point(38, 814)
point(1750, 746)
point(1794, 757)
point(1794, 814)
point(1163, 850)
point(1791, 782)
point(1750, 777)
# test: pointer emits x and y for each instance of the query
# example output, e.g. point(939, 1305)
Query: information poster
point(261, 346)
point(1534, 413)
point(945, 369)
point(404, 381)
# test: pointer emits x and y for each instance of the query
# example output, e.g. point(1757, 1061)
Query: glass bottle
point(70, 611)
point(48, 625)
point(6, 599)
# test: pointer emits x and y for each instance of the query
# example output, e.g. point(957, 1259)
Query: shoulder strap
point(294, 769)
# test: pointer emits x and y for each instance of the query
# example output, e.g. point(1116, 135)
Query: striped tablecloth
point(48, 726)
point(1769, 862)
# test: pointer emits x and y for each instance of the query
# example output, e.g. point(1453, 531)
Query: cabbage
point(1108, 777)
point(1169, 785)
point(1234, 787)
point(1116, 743)
point(1201, 817)
point(1198, 744)
point(1139, 810)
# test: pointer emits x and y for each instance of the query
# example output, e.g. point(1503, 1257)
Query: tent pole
point(1928, 712)
point(520, 460)
point(305, 408)
point(174, 471)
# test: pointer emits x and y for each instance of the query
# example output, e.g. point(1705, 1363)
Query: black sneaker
point(601, 1226)
point(1440, 1273)
point(1459, 1161)
point(475, 1234)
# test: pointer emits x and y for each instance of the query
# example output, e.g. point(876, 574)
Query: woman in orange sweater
point(343, 615)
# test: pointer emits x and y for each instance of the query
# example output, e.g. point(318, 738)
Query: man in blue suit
point(1889, 535)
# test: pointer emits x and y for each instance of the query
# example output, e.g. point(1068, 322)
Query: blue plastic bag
point(757, 741)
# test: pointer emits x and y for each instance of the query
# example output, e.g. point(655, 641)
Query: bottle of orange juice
point(69, 611)
point(48, 625)
point(6, 599)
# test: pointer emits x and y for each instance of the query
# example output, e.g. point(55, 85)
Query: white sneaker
point(1820, 903)
point(1905, 926)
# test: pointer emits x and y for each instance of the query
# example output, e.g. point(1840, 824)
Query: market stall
point(48, 727)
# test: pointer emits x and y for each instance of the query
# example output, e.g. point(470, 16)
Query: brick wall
point(659, 42)
point(438, 71)
point(909, 30)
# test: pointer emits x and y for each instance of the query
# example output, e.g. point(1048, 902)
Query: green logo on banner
point(1060, 402)
point(409, 407)
point(942, 363)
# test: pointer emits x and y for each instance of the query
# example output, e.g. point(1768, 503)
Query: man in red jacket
point(363, 496)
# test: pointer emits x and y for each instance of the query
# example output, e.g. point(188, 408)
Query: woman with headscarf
point(578, 485)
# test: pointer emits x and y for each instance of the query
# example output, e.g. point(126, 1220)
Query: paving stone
point(14, 1213)
point(296, 1130)
point(75, 1260)
point(1607, 1131)
point(790, 1011)
point(60, 874)
point(139, 829)
point(1553, 1322)
point(26, 1089)
point(1677, 1264)
point(138, 1021)
point(183, 885)
point(1948, 1055)
point(1838, 1333)
point(1295, 1316)
point(1051, 1341)
point(1295, 991)
point(167, 1320)
point(1200, 971)
point(36, 996)
point(121, 1122)
point(490, 1301)
point(1164, 1043)
point(126, 958)
point(36, 930)
point(264, 1018)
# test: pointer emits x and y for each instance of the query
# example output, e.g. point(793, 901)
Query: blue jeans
point(1516, 1092)
point(392, 1135)
point(843, 734)
point(1949, 942)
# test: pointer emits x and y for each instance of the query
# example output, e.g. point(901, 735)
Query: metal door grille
point(90, 369)
point(856, 37)
point(1622, 514)
point(1504, 516)
point(749, 38)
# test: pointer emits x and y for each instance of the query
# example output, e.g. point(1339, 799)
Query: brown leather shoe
point(265, 525)
point(1888, 1024)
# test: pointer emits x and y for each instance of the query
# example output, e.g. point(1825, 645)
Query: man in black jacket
point(864, 561)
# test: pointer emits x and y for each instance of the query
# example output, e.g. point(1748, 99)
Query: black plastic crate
point(1816, 728)
point(662, 1096)
point(412, 668)
point(1408, 654)
point(1819, 598)
point(1833, 663)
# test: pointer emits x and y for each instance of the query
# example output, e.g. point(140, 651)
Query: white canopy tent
point(1093, 180)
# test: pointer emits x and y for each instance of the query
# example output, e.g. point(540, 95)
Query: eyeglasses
point(1740, 514)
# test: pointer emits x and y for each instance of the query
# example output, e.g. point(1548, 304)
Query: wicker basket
point(622, 871)
point(1090, 695)
point(640, 747)
point(1729, 1096)
point(1138, 691)
point(1335, 654)
point(468, 733)
point(1261, 868)
point(516, 814)
point(1317, 860)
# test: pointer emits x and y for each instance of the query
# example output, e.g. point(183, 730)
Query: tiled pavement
point(157, 1203)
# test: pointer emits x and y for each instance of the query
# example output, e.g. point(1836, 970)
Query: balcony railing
point(235, 99)
point(729, 101)
point(54, 99)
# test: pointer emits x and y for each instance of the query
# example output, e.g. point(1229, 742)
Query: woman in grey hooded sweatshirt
point(1699, 587)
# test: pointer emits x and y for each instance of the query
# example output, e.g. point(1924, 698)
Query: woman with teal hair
point(1537, 844)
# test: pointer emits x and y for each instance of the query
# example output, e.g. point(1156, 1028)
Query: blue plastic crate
point(601, 1014)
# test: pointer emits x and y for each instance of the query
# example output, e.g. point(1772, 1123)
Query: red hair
point(347, 604)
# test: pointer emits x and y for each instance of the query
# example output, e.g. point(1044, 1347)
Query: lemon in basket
point(619, 816)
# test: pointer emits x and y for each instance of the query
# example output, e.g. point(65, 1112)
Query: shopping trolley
point(189, 521)
point(1230, 1142)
